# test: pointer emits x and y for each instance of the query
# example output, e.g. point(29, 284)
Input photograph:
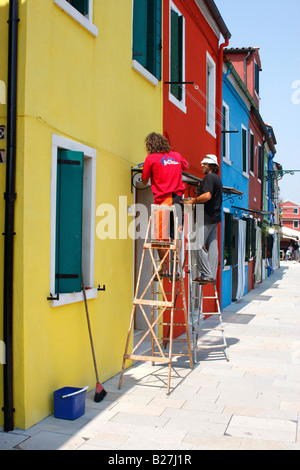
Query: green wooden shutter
point(176, 53)
point(81, 5)
point(154, 38)
point(228, 236)
point(147, 35)
point(69, 221)
point(139, 52)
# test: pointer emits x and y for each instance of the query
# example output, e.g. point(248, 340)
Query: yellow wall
point(83, 88)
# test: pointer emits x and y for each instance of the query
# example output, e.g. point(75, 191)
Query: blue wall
point(232, 174)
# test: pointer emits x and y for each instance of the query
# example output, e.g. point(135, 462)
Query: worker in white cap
point(210, 194)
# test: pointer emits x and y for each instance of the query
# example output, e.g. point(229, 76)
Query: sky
point(273, 26)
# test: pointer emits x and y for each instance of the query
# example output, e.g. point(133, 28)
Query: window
point(225, 131)
point(81, 11)
point(295, 211)
point(259, 162)
point(147, 35)
point(250, 238)
point(296, 223)
point(177, 57)
point(251, 152)
point(72, 220)
point(81, 5)
point(244, 150)
point(210, 95)
point(256, 77)
point(228, 235)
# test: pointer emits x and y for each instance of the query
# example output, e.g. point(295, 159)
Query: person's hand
point(190, 201)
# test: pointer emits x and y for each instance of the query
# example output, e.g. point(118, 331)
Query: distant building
point(290, 215)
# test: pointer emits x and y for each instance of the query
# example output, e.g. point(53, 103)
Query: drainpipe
point(220, 87)
point(219, 148)
point(10, 197)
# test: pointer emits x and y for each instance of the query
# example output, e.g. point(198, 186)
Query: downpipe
point(10, 197)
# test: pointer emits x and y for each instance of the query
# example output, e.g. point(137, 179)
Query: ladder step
point(174, 339)
point(154, 303)
point(135, 357)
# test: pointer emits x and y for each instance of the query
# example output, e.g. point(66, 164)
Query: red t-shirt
point(165, 171)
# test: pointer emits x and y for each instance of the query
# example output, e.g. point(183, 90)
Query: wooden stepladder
point(159, 301)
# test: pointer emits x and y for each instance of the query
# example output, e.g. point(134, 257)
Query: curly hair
point(157, 143)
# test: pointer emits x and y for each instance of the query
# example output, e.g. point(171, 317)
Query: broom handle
point(89, 326)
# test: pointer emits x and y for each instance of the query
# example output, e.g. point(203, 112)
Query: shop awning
point(289, 233)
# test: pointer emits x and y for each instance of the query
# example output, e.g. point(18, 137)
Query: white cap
point(211, 159)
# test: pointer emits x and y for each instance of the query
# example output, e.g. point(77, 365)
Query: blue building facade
point(234, 173)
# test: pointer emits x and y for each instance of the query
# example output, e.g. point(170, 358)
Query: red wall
point(287, 214)
point(255, 186)
point(187, 131)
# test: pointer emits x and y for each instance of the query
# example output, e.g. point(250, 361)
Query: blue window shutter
point(81, 5)
point(68, 262)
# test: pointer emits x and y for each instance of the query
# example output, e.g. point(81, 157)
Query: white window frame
point(254, 79)
point(251, 134)
point(296, 223)
point(226, 158)
point(211, 86)
point(88, 233)
point(245, 173)
point(181, 104)
point(85, 21)
point(261, 152)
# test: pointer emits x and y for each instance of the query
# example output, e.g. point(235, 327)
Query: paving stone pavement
point(251, 402)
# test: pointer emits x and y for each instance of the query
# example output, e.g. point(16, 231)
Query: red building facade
point(194, 36)
point(290, 215)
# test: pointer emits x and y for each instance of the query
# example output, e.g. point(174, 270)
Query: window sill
point(65, 299)
point(226, 267)
point(211, 131)
point(144, 72)
point(227, 161)
point(246, 175)
point(179, 104)
point(77, 16)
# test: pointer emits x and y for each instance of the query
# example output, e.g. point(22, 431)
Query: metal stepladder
point(157, 322)
point(199, 316)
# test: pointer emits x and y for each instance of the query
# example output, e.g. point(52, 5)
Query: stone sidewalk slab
point(249, 403)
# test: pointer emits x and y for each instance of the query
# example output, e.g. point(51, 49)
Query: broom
point(100, 392)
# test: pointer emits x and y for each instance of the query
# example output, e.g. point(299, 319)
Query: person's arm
point(200, 199)
point(146, 172)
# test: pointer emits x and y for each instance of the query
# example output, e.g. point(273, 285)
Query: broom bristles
point(99, 393)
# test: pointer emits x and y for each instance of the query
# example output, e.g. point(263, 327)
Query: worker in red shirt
point(164, 167)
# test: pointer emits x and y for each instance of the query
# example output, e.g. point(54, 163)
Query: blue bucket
point(69, 402)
